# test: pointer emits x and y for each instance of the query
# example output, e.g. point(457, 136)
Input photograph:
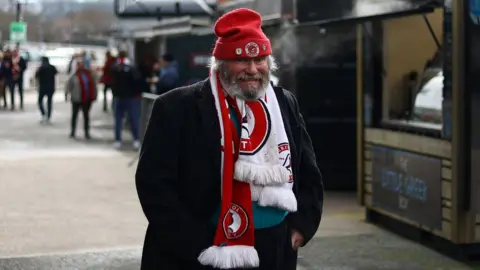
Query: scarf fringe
point(279, 197)
point(261, 175)
point(229, 257)
point(256, 191)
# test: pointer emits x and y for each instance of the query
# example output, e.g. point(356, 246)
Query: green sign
point(18, 31)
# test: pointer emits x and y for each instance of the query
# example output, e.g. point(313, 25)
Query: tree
point(84, 22)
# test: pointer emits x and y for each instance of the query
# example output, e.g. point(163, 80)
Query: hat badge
point(264, 47)
point(238, 51)
point(252, 49)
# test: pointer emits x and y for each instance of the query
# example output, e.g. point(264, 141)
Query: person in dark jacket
point(3, 94)
point(45, 75)
point(127, 94)
point(6, 71)
point(18, 67)
point(169, 76)
point(227, 175)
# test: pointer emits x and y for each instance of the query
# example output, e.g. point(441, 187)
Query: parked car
point(60, 59)
point(428, 101)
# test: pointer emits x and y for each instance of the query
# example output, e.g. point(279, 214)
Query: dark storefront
point(193, 59)
point(318, 64)
point(472, 58)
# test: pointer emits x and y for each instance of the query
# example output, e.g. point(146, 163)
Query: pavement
point(72, 204)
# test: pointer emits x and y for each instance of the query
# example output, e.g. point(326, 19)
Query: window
point(413, 71)
point(427, 106)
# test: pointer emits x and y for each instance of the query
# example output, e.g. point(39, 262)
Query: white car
point(428, 101)
point(59, 59)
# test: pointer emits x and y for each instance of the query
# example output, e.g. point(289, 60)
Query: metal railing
point(146, 109)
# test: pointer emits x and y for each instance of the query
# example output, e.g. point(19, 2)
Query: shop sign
point(407, 185)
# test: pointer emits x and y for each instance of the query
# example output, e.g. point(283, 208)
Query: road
point(72, 204)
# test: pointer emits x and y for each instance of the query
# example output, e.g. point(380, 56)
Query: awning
point(151, 33)
point(166, 27)
point(427, 7)
point(155, 9)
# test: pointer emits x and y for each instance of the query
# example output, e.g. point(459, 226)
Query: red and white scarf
point(16, 68)
point(259, 172)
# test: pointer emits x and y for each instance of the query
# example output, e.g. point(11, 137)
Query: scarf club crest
point(235, 222)
point(257, 124)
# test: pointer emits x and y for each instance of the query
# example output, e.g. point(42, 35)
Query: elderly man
point(227, 176)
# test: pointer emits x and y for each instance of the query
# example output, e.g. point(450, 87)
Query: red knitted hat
point(240, 35)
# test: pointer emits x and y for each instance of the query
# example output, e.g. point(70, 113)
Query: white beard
point(233, 89)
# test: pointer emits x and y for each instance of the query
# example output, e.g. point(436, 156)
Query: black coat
point(178, 175)
point(126, 81)
point(46, 78)
point(7, 73)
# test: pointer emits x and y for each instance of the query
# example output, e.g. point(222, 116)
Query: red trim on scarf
point(91, 85)
point(235, 194)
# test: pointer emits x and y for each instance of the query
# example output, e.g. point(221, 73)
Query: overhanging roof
point(151, 33)
point(426, 7)
point(165, 27)
point(154, 9)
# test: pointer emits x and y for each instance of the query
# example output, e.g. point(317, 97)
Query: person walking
point(127, 94)
point(82, 90)
point(227, 176)
point(72, 64)
point(19, 65)
point(107, 78)
point(3, 92)
point(45, 76)
point(8, 82)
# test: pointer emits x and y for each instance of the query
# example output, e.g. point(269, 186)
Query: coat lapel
point(209, 120)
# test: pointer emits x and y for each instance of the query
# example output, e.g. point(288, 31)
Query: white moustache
point(248, 77)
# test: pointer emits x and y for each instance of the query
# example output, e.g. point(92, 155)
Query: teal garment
point(263, 217)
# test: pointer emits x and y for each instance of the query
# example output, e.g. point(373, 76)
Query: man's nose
point(251, 67)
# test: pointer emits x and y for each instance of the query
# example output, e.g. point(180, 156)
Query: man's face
point(247, 79)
